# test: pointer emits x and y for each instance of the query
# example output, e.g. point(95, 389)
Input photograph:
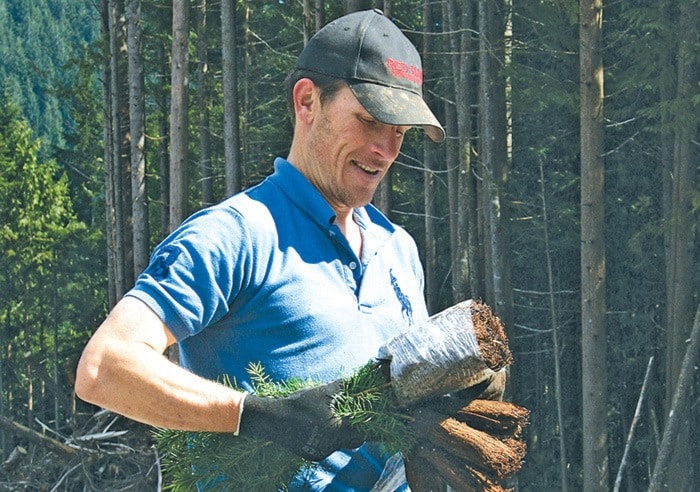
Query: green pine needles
point(369, 403)
point(223, 462)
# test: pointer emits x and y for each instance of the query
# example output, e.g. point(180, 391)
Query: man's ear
point(306, 100)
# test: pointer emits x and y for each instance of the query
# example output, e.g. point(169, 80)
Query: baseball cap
point(380, 65)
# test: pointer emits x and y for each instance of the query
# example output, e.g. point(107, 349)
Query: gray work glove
point(303, 422)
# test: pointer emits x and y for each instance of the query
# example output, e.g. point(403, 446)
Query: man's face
point(348, 152)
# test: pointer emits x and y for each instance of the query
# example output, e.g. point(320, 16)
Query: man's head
point(379, 64)
point(355, 91)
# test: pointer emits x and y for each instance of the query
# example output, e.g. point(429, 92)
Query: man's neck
point(350, 230)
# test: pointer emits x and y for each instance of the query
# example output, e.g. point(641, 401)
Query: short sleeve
point(194, 274)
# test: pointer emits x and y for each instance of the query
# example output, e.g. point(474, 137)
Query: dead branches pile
point(106, 453)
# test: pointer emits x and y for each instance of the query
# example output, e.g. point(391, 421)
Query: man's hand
point(302, 422)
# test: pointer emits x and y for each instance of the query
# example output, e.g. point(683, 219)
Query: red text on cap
point(403, 70)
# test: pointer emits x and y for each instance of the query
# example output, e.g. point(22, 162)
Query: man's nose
point(387, 142)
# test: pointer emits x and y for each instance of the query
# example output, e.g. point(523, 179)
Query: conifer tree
point(37, 228)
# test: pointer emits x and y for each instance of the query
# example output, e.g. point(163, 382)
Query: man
point(298, 273)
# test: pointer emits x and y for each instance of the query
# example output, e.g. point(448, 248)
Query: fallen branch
point(64, 476)
point(633, 426)
point(34, 436)
point(678, 407)
point(60, 463)
point(16, 456)
point(100, 436)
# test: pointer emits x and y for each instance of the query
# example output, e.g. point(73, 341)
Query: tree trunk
point(28, 372)
point(429, 199)
point(137, 119)
point(319, 14)
point(453, 169)
point(357, 5)
point(493, 151)
point(558, 393)
point(682, 228)
point(307, 20)
point(472, 256)
point(3, 355)
point(233, 165)
point(178, 113)
point(114, 184)
point(122, 240)
point(463, 211)
point(593, 339)
point(383, 197)
point(203, 101)
point(163, 140)
point(108, 155)
point(246, 110)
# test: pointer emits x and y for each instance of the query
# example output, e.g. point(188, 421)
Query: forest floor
point(105, 453)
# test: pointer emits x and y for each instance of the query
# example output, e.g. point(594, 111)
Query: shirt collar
point(303, 194)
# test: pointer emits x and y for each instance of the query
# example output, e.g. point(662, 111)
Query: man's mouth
point(366, 168)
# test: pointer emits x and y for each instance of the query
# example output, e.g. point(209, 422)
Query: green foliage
point(82, 154)
point(36, 209)
point(220, 461)
point(369, 403)
point(47, 270)
point(37, 39)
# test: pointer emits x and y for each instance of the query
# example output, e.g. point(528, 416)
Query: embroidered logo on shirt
point(406, 309)
point(158, 268)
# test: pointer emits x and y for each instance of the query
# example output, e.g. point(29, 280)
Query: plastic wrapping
point(393, 476)
point(438, 356)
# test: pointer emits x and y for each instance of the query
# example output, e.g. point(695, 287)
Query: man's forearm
point(169, 397)
point(123, 369)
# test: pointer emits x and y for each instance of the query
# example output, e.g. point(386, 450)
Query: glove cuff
point(241, 405)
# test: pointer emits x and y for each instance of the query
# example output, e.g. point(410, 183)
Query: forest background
point(565, 197)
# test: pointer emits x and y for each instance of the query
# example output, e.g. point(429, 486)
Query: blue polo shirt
point(266, 276)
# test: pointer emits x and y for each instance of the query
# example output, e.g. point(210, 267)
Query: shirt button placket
point(347, 261)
